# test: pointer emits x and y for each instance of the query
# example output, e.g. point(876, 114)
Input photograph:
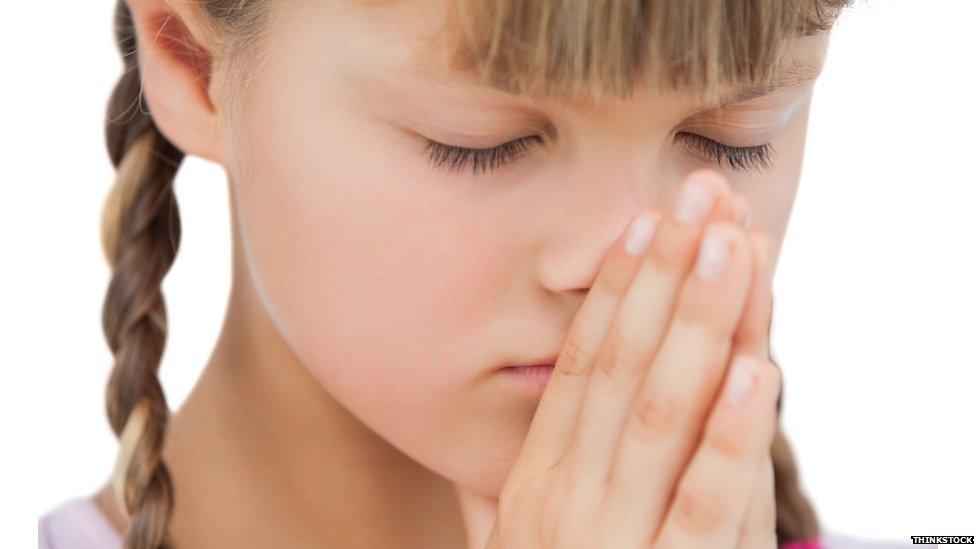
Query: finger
point(752, 338)
point(555, 418)
point(640, 323)
point(478, 513)
point(731, 209)
point(741, 210)
point(758, 530)
point(711, 498)
point(752, 335)
point(674, 397)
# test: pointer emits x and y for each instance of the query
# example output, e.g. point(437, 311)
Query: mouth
point(548, 360)
point(532, 379)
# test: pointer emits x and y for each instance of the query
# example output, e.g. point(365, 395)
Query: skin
point(355, 382)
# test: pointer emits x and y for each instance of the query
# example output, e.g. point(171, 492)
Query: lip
point(544, 361)
point(531, 379)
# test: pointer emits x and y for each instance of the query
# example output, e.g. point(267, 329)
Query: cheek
point(379, 279)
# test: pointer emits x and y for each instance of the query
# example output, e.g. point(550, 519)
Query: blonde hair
point(592, 50)
point(560, 48)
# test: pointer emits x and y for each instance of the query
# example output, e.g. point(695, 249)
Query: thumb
point(478, 511)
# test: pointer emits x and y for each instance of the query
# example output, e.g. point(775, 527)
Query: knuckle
point(729, 443)
point(655, 414)
point(616, 351)
point(573, 360)
point(698, 511)
point(703, 321)
point(615, 277)
point(669, 254)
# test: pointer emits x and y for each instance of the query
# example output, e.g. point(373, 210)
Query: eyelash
point(483, 159)
point(738, 158)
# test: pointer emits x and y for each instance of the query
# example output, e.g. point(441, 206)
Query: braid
point(140, 237)
point(796, 519)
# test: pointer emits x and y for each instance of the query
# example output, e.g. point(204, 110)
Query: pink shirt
point(77, 523)
point(80, 524)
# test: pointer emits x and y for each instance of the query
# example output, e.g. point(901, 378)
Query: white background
point(874, 325)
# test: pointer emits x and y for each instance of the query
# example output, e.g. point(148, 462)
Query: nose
point(577, 241)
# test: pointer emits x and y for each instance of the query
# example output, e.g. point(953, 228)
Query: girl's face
point(403, 286)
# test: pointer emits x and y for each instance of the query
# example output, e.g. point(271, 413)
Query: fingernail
point(740, 380)
point(639, 233)
point(713, 254)
point(695, 201)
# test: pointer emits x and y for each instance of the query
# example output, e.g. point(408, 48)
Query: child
point(491, 264)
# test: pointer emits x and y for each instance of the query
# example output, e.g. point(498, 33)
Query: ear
point(175, 67)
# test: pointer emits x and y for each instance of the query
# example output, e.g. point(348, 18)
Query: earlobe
point(175, 72)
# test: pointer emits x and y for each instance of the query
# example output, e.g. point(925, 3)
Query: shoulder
point(835, 540)
point(76, 523)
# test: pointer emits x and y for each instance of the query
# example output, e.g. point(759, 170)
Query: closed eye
point(456, 158)
point(756, 157)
